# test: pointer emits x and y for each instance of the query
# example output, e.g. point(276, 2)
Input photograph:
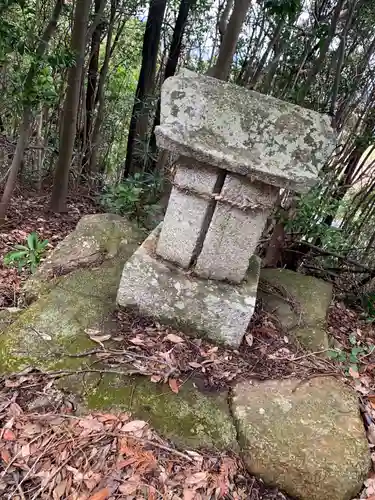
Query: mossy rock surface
point(7, 316)
point(96, 238)
point(299, 302)
point(56, 323)
point(305, 437)
point(191, 419)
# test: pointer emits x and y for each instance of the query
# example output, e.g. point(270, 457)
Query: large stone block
point(217, 310)
point(186, 214)
point(242, 131)
point(235, 229)
point(304, 436)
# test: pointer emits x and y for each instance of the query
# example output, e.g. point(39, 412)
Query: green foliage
point(368, 302)
point(135, 197)
point(308, 222)
point(28, 255)
point(355, 356)
point(283, 8)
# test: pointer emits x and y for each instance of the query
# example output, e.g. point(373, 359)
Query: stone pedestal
point(235, 150)
point(212, 309)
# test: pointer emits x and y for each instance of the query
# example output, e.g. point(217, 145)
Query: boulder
point(303, 436)
point(300, 303)
point(55, 323)
point(96, 238)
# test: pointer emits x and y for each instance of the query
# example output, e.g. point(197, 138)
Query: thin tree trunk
point(171, 66)
point(254, 80)
point(140, 110)
point(323, 52)
point(27, 111)
point(340, 58)
point(92, 82)
point(61, 179)
point(95, 141)
point(224, 61)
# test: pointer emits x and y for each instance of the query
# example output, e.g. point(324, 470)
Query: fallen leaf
point(371, 433)
point(101, 495)
point(9, 435)
point(249, 339)
point(59, 491)
point(100, 338)
point(197, 480)
point(133, 426)
point(5, 455)
point(175, 339)
point(353, 372)
point(155, 378)
point(137, 341)
point(173, 384)
point(90, 424)
point(193, 364)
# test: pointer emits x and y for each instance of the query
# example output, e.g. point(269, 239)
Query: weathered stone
point(191, 419)
point(213, 309)
point(56, 322)
point(7, 316)
point(234, 233)
point(306, 437)
point(242, 131)
point(186, 214)
point(97, 237)
point(299, 302)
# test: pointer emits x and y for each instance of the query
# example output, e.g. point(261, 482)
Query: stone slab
point(216, 310)
point(233, 234)
point(243, 131)
point(185, 215)
point(304, 436)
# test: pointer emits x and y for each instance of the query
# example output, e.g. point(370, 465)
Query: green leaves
point(354, 357)
point(135, 197)
point(28, 255)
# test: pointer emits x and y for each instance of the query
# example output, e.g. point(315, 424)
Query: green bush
point(28, 255)
point(135, 197)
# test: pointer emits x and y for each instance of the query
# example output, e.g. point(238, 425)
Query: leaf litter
point(56, 453)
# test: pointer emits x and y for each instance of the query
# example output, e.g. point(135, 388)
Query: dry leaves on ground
point(103, 456)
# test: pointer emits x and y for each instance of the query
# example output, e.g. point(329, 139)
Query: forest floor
point(49, 451)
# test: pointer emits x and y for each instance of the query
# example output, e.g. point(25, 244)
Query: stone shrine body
point(236, 148)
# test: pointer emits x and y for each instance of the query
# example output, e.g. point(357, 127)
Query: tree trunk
point(61, 179)
point(171, 66)
point(271, 45)
point(140, 111)
point(322, 54)
point(223, 64)
point(223, 22)
point(27, 111)
point(92, 82)
point(95, 139)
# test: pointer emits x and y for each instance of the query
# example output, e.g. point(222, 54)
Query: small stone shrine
point(236, 148)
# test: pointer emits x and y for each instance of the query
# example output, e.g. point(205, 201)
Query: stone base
point(216, 310)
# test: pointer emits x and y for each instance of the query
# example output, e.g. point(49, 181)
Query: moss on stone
point(97, 237)
point(190, 419)
point(305, 437)
point(56, 323)
point(311, 298)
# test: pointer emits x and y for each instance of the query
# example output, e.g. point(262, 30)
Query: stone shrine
point(236, 148)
